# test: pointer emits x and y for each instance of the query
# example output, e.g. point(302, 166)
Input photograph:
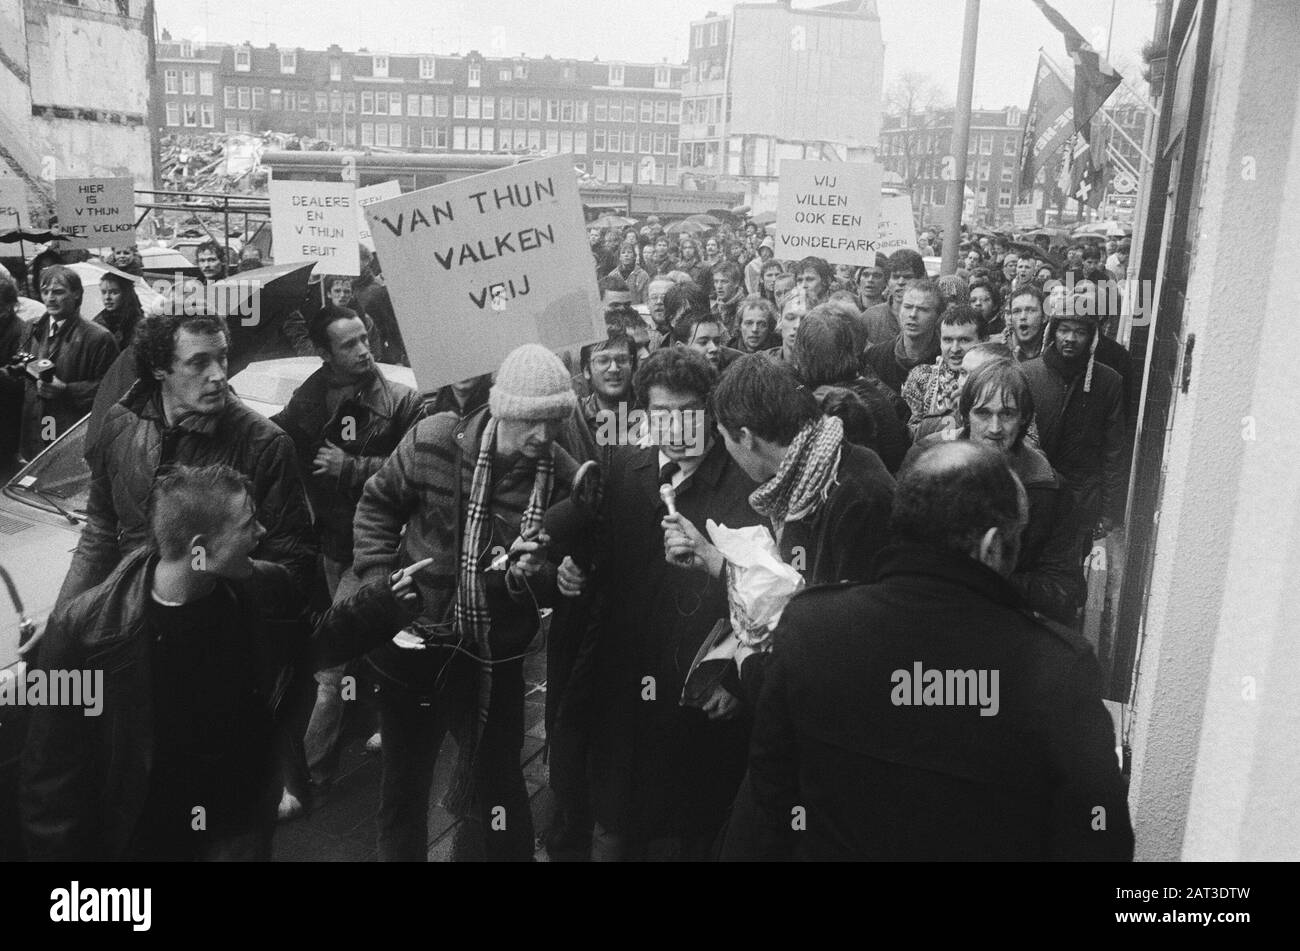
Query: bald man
point(929, 716)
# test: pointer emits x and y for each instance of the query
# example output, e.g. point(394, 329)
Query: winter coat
point(637, 282)
point(134, 442)
point(842, 737)
point(85, 780)
point(892, 364)
point(1082, 433)
point(81, 358)
point(381, 412)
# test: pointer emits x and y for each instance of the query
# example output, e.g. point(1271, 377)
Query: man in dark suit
point(662, 774)
point(928, 716)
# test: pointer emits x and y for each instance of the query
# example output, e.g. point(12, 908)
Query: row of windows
point(706, 110)
point(937, 143)
point(187, 81)
point(937, 195)
point(632, 173)
point(191, 114)
point(658, 143)
point(706, 34)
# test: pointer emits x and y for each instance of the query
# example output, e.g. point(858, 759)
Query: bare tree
point(915, 101)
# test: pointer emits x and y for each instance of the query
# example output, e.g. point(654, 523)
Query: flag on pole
point(1047, 122)
point(1094, 78)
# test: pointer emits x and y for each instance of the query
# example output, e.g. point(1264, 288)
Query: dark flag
point(1047, 122)
point(1088, 180)
point(1094, 78)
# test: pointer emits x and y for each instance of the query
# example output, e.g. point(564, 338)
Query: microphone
point(669, 496)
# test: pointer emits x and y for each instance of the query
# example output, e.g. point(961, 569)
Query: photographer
point(80, 352)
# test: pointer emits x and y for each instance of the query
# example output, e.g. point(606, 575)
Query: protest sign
point(368, 196)
point(897, 226)
point(482, 264)
point(316, 221)
point(1024, 216)
point(828, 209)
point(97, 212)
point(13, 202)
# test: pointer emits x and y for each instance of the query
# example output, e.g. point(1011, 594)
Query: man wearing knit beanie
point(469, 494)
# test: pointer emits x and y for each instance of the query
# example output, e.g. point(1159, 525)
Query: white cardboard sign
point(830, 210)
point(897, 225)
point(368, 196)
point(97, 212)
point(316, 221)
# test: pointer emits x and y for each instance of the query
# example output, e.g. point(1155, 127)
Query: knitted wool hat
point(532, 384)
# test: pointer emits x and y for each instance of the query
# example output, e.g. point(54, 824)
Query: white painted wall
point(1217, 707)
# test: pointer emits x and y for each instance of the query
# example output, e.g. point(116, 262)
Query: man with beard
point(1081, 420)
point(211, 260)
point(1025, 321)
point(916, 343)
point(345, 419)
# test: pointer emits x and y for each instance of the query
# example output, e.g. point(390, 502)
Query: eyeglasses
point(603, 361)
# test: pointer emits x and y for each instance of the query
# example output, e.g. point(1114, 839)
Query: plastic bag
point(759, 583)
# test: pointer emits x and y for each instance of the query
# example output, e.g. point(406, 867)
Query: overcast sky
point(920, 35)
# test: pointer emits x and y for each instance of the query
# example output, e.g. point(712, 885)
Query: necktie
point(667, 472)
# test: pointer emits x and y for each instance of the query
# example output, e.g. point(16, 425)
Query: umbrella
point(765, 218)
point(1049, 231)
point(90, 273)
point(1032, 250)
point(723, 215)
point(685, 227)
point(740, 210)
point(18, 235)
point(1109, 229)
point(612, 221)
point(705, 219)
point(274, 288)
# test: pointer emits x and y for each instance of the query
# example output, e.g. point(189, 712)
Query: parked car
point(42, 509)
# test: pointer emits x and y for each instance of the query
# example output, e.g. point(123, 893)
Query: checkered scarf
point(806, 475)
point(472, 618)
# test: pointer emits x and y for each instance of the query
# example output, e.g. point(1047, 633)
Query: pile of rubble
point(223, 163)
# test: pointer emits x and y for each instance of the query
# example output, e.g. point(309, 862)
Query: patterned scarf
point(805, 477)
point(472, 618)
point(941, 390)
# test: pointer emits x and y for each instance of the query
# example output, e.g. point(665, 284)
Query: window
point(1004, 201)
point(288, 62)
point(381, 133)
point(645, 142)
point(304, 101)
point(243, 60)
point(672, 143)
point(379, 67)
point(629, 110)
point(395, 133)
point(187, 82)
point(458, 138)
point(598, 140)
point(986, 143)
point(187, 49)
point(688, 112)
point(627, 173)
point(566, 110)
point(521, 70)
point(426, 137)
point(426, 106)
point(336, 71)
point(534, 110)
point(426, 67)
point(552, 141)
point(412, 103)
point(697, 37)
point(506, 111)
point(580, 143)
point(245, 98)
point(191, 113)
point(322, 103)
point(675, 112)
point(616, 75)
point(367, 102)
point(713, 33)
point(171, 80)
point(660, 141)
point(552, 110)
point(276, 101)
point(381, 103)
point(535, 139)
point(474, 111)
point(440, 138)
point(441, 102)
point(602, 110)
point(173, 113)
point(663, 77)
point(598, 170)
point(474, 142)
point(394, 103)
point(521, 108)
point(629, 142)
point(458, 106)
point(661, 110)
point(503, 74)
point(582, 111)
point(489, 137)
point(566, 141)
point(1008, 175)
point(475, 75)
point(647, 110)
point(205, 83)
point(350, 106)
point(336, 101)
point(489, 107)
point(1009, 146)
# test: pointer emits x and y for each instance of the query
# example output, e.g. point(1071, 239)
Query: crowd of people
point(934, 457)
